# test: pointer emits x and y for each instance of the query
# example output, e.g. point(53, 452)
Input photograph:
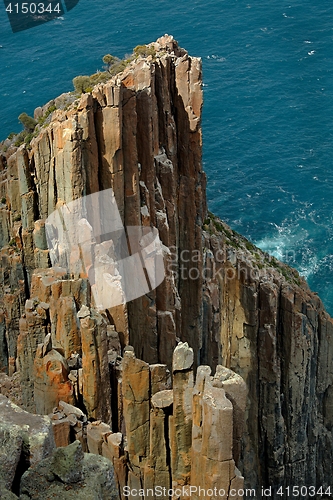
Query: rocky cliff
point(140, 134)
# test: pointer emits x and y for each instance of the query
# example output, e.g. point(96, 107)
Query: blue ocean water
point(268, 113)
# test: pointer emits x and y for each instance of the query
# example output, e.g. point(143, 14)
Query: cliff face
point(140, 134)
point(276, 334)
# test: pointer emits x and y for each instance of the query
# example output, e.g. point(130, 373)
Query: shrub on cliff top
point(20, 138)
point(113, 66)
point(82, 83)
point(144, 51)
point(28, 122)
point(47, 113)
point(110, 61)
point(118, 68)
point(99, 77)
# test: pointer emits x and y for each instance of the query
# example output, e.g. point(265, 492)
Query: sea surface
point(268, 112)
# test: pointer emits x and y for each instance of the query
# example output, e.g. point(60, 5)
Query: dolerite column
point(180, 427)
point(203, 373)
point(135, 387)
point(157, 470)
point(96, 389)
point(33, 329)
point(213, 467)
point(236, 391)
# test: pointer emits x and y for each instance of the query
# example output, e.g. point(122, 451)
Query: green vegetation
point(220, 228)
point(110, 61)
point(28, 138)
point(144, 51)
point(19, 139)
point(17, 218)
point(100, 77)
point(119, 67)
point(213, 224)
point(82, 84)
point(3, 200)
point(28, 122)
point(47, 113)
point(113, 65)
point(31, 128)
point(250, 246)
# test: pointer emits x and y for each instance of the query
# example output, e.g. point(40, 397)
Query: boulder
point(5, 494)
point(25, 439)
point(10, 452)
point(182, 357)
point(162, 399)
point(95, 436)
point(70, 474)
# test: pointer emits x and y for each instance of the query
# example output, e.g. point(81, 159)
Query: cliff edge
point(140, 134)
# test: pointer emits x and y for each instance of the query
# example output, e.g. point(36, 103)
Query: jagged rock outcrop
point(25, 440)
point(53, 329)
point(69, 423)
point(175, 438)
point(32, 467)
point(70, 474)
point(140, 135)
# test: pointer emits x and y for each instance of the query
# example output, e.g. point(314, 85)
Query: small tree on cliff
point(28, 122)
point(82, 83)
point(144, 51)
point(110, 61)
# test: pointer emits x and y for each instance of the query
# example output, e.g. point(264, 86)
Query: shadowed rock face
point(25, 440)
point(140, 134)
point(276, 334)
point(68, 474)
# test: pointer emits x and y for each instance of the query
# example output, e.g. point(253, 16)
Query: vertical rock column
point(95, 368)
point(135, 387)
point(236, 391)
point(180, 437)
point(273, 431)
point(213, 467)
point(51, 382)
point(180, 423)
point(12, 299)
point(33, 329)
point(3, 344)
point(157, 469)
